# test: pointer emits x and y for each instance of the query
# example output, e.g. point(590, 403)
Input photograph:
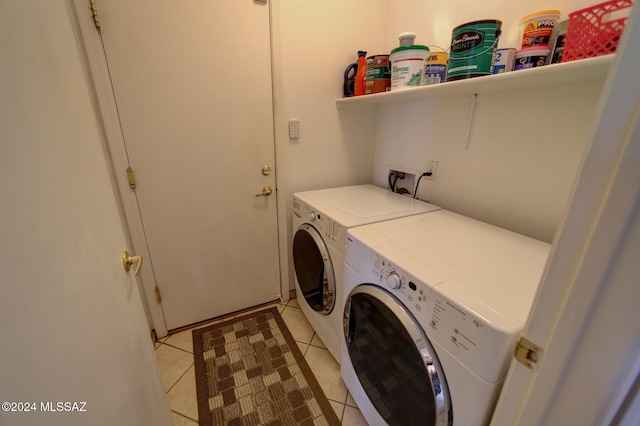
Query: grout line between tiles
point(316, 346)
point(341, 415)
point(183, 415)
point(344, 410)
point(181, 376)
point(347, 402)
point(176, 347)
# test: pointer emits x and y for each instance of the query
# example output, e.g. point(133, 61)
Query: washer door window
point(394, 361)
point(314, 270)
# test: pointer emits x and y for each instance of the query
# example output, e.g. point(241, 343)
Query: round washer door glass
point(314, 270)
point(394, 360)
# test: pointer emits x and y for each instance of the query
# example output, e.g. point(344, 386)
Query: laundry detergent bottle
point(359, 88)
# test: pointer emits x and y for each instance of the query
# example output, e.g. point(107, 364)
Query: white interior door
point(192, 82)
point(72, 328)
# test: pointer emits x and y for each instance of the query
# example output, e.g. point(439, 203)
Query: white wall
point(313, 42)
point(494, 180)
point(525, 146)
point(433, 21)
point(521, 160)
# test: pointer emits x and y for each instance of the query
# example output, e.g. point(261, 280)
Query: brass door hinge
point(528, 353)
point(158, 296)
point(132, 179)
point(94, 11)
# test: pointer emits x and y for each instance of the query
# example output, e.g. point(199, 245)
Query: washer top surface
point(483, 267)
point(362, 204)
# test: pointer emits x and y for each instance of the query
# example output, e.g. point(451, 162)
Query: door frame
point(119, 161)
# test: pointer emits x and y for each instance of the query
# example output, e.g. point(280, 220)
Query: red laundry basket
point(596, 30)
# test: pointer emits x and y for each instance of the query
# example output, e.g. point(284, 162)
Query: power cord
point(415, 192)
point(396, 175)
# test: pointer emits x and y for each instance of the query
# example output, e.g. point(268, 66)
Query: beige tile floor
point(175, 358)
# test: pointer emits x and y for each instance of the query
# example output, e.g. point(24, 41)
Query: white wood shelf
point(577, 72)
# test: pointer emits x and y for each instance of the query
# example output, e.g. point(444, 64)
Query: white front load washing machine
point(321, 219)
point(434, 305)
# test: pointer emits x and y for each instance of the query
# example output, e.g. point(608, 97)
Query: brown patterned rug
point(249, 371)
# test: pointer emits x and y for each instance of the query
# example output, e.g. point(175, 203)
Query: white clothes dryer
point(434, 304)
point(321, 219)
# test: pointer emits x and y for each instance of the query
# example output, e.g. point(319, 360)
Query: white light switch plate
point(294, 128)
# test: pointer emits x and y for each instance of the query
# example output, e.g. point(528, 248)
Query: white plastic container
point(530, 58)
point(407, 66)
point(536, 29)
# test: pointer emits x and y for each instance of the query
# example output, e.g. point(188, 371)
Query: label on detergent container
point(538, 33)
point(378, 76)
point(504, 60)
point(407, 72)
point(472, 48)
point(407, 66)
point(436, 69)
point(466, 41)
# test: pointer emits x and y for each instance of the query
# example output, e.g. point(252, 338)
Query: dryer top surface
point(480, 265)
point(362, 204)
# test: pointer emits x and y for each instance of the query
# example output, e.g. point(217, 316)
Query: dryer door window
point(314, 270)
point(394, 360)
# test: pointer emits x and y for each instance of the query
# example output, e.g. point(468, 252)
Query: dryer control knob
point(393, 280)
point(312, 216)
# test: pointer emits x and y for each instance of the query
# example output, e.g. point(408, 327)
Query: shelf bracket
point(473, 99)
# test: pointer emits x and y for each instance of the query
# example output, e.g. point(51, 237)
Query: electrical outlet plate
point(432, 166)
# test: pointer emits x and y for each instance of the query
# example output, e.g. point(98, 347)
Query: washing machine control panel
point(393, 280)
point(412, 293)
point(332, 232)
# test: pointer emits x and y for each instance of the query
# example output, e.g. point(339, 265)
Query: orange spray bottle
point(359, 88)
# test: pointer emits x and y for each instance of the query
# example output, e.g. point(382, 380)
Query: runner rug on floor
point(249, 371)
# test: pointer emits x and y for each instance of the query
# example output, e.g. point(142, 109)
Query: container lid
point(412, 47)
point(482, 21)
point(542, 12)
point(407, 34)
point(533, 51)
point(406, 39)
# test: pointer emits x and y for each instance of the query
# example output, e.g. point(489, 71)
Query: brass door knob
point(266, 191)
point(128, 260)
